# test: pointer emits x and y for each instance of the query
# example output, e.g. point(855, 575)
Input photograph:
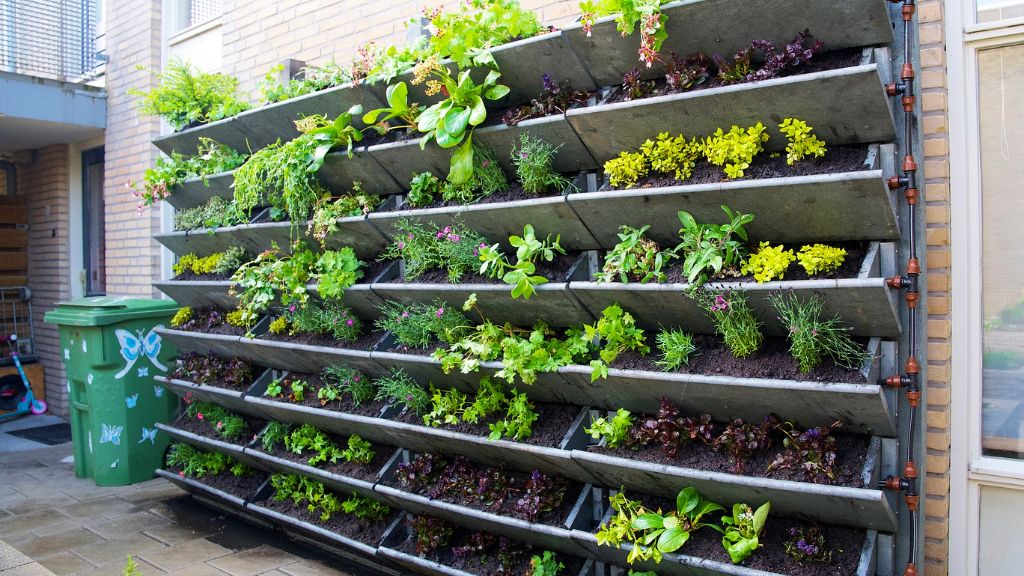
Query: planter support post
point(909, 282)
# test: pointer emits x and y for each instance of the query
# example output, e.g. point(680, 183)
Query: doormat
point(50, 435)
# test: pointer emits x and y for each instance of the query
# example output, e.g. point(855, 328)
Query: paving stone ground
point(54, 523)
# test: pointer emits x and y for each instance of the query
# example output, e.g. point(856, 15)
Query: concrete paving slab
point(184, 554)
point(11, 557)
point(66, 563)
point(200, 570)
point(111, 507)
point(31, 521)
point(59, 541)
point(255, 561)
point(117, 549)
point(129, 524)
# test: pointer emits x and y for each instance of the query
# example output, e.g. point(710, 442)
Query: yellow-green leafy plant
point(184, 314)
point(279, 325)
point(735, 150)
point(821, 258)
point(238, 318)
point(672, 154)
point(768, 263)
point(220, 263)
point(801, 142)
point(187, 96)
point(627, 169)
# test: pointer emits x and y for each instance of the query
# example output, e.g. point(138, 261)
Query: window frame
point(970, 468)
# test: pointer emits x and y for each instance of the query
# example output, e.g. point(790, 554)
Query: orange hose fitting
point(907, 71)
point(908, 103)
point(909, 165)
point(908, 12)
point(913, 267)
point(910, 470)
point(911, 195)
point(894, 183)
point(912, 367)
point(912, 502)
point(911, 570)
point(914, 398)
point(912, 299)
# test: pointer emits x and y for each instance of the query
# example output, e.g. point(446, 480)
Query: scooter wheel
point(38, 407)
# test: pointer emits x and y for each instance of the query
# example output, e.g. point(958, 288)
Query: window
point(1001, 140)
point(995, 10)
point(94, 237)
point(189, 13)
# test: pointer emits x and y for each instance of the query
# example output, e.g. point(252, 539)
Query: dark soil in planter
point(851, 452)
point(369, 532)
point(820, 63)
point(845, 543)
point(216, 371)
point(486, 563)
point(552, 423)
point(764, 167)
point(504, 507)
point(713, 358)
point(372, 408)
point(555, 271)
point(373, 269)
point(364, 342)
point(403, 349)
point(192, 276)
point(367, 472)
point(210, 321)
point(513, 193)
point(208, 429)
point(243, 487)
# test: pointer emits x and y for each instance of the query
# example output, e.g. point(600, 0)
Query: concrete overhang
point(36, 112)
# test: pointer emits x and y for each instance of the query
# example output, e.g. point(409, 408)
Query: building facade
point(971, 80)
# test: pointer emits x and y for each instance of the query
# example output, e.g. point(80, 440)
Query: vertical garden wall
point(705, 292)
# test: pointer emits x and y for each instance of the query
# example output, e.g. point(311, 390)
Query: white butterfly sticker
point(111, 434)
point(148, 434)
point(67, 354)
point(143, 372)
point(130, 401)
point(134, 346)
point(158, 391)
point(88, 378)
point(85, 348)
point(114, 463)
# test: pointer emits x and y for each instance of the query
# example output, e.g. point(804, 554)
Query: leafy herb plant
point(400, 388)
point(812, 337)
point(533, 158)
point(630, 14)
point(339, 381)
point(422, 247)
point(676, 347)
point(708, 249)
point(812, 451)
point(801, 143)
point(614, 431)
point(807, 544)
point(422, 325)
point(742, 530)
point(635, 257)
point(423, 189)
point(615, 332)
point(735, 150)
point(529, 251)
point(734, 321)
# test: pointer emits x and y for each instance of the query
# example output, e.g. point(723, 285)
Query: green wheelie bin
point(112, 352)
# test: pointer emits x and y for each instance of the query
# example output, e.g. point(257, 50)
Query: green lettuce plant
point(635, 257)
point(521, 275)
point(742, 530)
point(707, 249)
point(451, 121)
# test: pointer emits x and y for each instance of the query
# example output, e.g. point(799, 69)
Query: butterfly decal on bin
point(138, 344)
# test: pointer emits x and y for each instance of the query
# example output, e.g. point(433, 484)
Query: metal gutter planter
point(552, 302)
point(865, 303)
point(865, 507)
point(228, 131)
point(196, 191)
point(846, 105)
point(712, 26)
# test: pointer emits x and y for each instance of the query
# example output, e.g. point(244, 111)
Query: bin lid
point(106, 310)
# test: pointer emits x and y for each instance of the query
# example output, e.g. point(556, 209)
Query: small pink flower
point(405, 314)
point(220, 425)
point(182, 473)
point(199, 415)
point(440, 312)
point(485, 163)
point(291, 308)
point(409, 237)
point(348, 322)
point(401, 245)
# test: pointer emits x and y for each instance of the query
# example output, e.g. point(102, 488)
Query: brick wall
point(936, 192)
point(259, 34)
point(133, 39)
point(44, 185)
